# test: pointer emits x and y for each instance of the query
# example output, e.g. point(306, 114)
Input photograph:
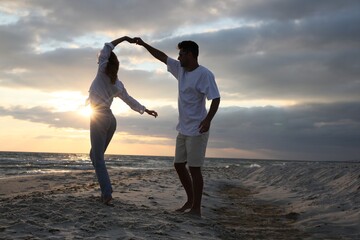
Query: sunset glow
point(288, 80)
point(86, 111)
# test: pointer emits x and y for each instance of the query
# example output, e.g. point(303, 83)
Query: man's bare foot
point(186, 206)
point(194, 213)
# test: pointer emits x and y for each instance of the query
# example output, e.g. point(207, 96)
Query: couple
point(195, 83)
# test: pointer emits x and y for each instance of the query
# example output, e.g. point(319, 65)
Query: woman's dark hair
point(112, 67)
point(189, 46)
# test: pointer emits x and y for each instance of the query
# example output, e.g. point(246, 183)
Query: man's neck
point(192, 67)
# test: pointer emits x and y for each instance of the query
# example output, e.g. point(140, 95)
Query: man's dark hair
point(189, 46)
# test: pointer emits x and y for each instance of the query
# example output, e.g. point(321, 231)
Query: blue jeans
point(102, 128)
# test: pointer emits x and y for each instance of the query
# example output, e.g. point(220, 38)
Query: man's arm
point(119, 40)
point(153, 51)
point(205, 124)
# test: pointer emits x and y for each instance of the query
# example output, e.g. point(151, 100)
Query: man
point(195, 83)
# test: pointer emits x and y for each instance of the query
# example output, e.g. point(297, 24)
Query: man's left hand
point(204, 126)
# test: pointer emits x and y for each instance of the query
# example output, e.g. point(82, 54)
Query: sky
point(288, 72)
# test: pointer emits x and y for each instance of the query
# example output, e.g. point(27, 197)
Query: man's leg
point(183, 173)
point(196, 148)
point(198, 185)
point(186, 182)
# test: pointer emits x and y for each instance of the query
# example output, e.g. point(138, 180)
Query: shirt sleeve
point(104, 55)
point(174, 67)
point(130, 101)
point(208, 86)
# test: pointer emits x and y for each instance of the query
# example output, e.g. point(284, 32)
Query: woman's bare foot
point(106, 200)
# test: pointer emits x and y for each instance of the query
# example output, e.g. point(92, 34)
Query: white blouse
point(102, 91)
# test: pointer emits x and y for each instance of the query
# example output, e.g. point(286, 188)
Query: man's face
point(183, 58)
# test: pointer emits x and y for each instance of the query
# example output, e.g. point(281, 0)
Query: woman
point(104, 88)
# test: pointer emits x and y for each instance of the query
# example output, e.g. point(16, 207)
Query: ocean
point(31, 163)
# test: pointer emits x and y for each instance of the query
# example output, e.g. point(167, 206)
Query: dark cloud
point(294, 51)
point(149, 85)
point(282, 10)
point(302, 132)
point(46, 116)
point(312, 131)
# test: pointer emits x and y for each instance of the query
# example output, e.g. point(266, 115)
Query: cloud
point(46, 116)
point(282, 10)
point(311, 131)
point(277, 51)
point(303, 132)
point(287, 55)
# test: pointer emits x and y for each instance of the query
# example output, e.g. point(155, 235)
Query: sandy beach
point(274, 202)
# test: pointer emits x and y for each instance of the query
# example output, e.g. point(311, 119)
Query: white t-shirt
point(102, 91)
point(193, 88)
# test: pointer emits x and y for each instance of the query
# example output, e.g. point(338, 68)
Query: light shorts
point(191, 149)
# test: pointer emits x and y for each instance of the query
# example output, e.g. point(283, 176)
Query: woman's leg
point(110, 132)
point(99, 126)
point(109, 135)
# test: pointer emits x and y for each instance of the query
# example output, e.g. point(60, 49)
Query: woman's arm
point(121, 39)
point(151, 112)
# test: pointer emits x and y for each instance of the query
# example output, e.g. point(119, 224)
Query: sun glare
point(85, 111)
point(66, 101)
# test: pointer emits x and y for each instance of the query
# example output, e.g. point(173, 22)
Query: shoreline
point(237, 204)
